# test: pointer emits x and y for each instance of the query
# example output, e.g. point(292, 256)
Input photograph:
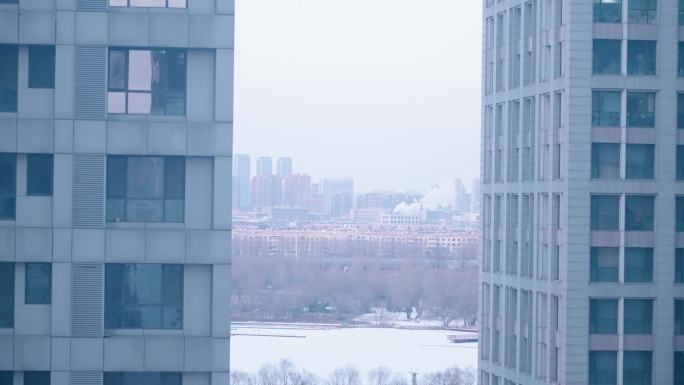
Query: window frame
point(10, 90)
point(125, 198)
point(597, 273)
point(633, 377)
point(647, 16)
point(8, 306)
point(601, 217)
point(640, 170)
point(648, 221)
point(602, 45)
point(639, 119)
point(126, 88)
point(679, 316)
point(37, 377)
point(632, 253)
point(127, 273)
point(128, 5)
point(634, 325)
point(594, 370)
point(599, 116)
point(602, 9)
point(679, 265)
point(599, 325)
point(599, 163)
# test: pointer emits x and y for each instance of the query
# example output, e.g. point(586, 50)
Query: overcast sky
point(384, 91)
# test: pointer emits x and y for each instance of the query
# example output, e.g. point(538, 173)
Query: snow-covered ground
point(320, 349)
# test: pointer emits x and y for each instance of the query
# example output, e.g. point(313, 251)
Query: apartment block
point(582, 267)
point(116, 126)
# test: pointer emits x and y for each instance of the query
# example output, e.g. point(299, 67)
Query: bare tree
point(345, 376)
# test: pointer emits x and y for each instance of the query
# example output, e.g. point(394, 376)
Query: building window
point(678, 368)
point(607, 56)
point(639, 212)
point(638, 264)
point(149, 3)
point(9, 77)
point(638, 368)
point(147, 81)
point(605, 109)
point(39, 174)
point(679, 317)
point(642, 11)
point(8, 185)
point(604, 264)
point(6, 377)
point(681, 12)
point(36, 378)
point(641, 109)
point(6, 294)
point(605, 212)
point(640, 161)
point(602, 368)
point(679, 213)
point(41, 66)
point(38, 283)
point(603, 314)
point(143, 296)
point(679, 265)
point(147, 378)
point(641, 57)
point(605, 160)
point(607, 11)
point(680, 60)
point(145, 189)
point(638, 316)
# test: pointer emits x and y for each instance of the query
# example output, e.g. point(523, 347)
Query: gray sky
point(384, 91)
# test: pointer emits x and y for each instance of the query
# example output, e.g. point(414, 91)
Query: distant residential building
point(461, 197)
point(264, 166)
point(284, 167)
point(399, 219)
point(338, 196)
point(296, 190)
point(385, 199)
point(263, 191)
point(315, 204)
point(242, 181)
point(368, 215)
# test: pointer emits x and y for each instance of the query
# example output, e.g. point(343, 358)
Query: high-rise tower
point(583, 200)
point(115, 162)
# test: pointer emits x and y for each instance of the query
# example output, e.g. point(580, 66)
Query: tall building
point(338, 196)
point(296, 190)
point(461, 197)
point(583, 200)
point(115, 161)
point(242, 182)
point(264, 166)
point(284, 167)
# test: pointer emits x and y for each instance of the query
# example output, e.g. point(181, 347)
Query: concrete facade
point(540, 76)
point(69, 229)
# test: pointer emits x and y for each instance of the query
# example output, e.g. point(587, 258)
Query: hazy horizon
point(376, 91)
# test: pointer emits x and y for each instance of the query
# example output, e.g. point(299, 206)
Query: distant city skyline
point(395, 107)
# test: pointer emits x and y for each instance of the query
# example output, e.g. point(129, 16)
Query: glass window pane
point(174, 186)
point(117, 68)
point(638, 316)
point(36, 378)
point(141, 70)
point(9, 74)
point(604, 264)
point(116, 176)
point(8, 185)
point(680, 162)
point(679, 317)
point(602, 368)
point(679, 368)
point(116, 210)
point(144, 210)
point(638, 264)
point(116, 102)
point(679, 265)
point(148, 3)
point(41, 66)
point(640, 161)
point(113, 378)
point(6, 377)
point(607, 56)
point(641, 57)
point(679, 213)
point(607, 11)
point(139, 103)
point(173, 317)
point(605, 212)
point(39, 172)
point(151, 317)
point(639, 211)
point(38, 283)
point(145, 284)
point(605, 160)
point(603, 315)
point(641, 109)
point(173, 284)
point(638, 368)
point(174, 210)
point(145, 177)
point(606, 107)
point(6, 294)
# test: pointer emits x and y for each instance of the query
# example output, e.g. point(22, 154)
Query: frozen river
point(320, 349)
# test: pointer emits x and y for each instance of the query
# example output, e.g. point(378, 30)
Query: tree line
point(290, 290)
